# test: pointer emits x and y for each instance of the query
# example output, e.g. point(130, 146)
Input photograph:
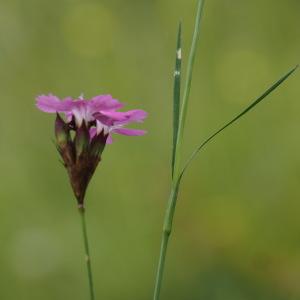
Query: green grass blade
point(247, 109)
point(176, 95)
point(188, 82)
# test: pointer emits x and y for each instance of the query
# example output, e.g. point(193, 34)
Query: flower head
point(93, 121)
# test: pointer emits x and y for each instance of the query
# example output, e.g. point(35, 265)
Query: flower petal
point(52, 104)
point(104, 102)
point(109, 139)
point(93, 132)
point(131, 132)
point(136, 115)
point(118, 118)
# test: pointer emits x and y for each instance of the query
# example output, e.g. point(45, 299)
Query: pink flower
point(93, 121)
point(114, 121)
point(102, 106)
point(99, 111)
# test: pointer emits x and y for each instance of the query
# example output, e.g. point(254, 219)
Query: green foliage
point(178, 127)
point(236, 118)
point(237, 224)
point(176, 95)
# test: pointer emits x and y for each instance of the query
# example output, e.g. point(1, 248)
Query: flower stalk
point(87, 252)
point(83, 128)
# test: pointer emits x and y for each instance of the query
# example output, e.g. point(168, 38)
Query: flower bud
point(82, 140)
point(98, 144)
point(62, 132)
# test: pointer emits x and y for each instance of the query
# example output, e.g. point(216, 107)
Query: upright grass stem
point(179, 116)
point(87, 253)
point(167, 229)
point(169, 215)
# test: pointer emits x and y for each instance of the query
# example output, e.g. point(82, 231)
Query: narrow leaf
point(247, 109)
point(187, 87)
point(176, 95)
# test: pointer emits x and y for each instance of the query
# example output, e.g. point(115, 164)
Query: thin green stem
point(161, 264)
point(87, 253)
point(167, 229)
point(179, 121)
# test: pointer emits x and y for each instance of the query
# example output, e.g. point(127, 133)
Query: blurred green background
point(237, 229)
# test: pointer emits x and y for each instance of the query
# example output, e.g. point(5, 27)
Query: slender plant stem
point(87, 253)
point(161, 264)
point(179, 116)
point(167, 229)
point(179, 121)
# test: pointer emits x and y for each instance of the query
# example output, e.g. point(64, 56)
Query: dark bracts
point(80, 154)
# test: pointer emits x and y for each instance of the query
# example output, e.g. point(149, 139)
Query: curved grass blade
point(176, 95)
point(247, 109)
point(188, 81)
point(176, 182)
